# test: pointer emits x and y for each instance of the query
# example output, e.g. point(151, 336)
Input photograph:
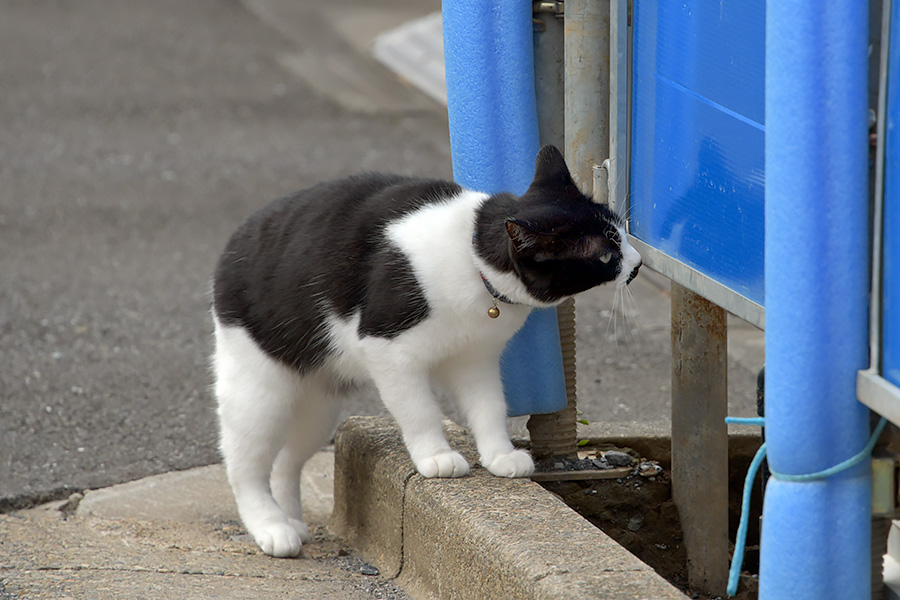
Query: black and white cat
point(389, 279)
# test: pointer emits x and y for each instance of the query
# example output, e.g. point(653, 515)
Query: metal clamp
point(553, 8)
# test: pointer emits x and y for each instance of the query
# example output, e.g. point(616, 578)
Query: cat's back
point(328, 212)
point(335, 224)
point(310, 254)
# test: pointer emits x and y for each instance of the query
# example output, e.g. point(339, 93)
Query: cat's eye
point(606, 258)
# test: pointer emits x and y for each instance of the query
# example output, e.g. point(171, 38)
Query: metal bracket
point(700, 283)
point(884, 486)
point(553, 8)
point(601, 192)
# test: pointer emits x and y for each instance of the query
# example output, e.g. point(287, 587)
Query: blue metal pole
point(815, 540)
point(489, 57)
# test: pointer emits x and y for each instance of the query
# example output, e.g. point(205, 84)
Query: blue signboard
point(698, 133)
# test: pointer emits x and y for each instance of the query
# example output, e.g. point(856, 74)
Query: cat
point(389, 279)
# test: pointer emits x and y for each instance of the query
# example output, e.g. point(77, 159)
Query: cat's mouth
point(631, 262)
point(633, 273)
point(622, 280)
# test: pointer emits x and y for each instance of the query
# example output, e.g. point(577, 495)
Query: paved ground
point(173, 536)
point(136, 137)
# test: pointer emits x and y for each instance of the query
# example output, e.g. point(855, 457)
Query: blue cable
point(740, 541)
point(737, 561)
point(758, 421)
point(842, 466)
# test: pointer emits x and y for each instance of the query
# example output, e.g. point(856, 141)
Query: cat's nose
point(634, 272)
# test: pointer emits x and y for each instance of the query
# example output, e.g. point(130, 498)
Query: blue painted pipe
point(489, 57)
point(816, 535)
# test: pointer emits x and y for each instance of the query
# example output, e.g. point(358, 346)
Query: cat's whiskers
point(614, 316)
point(623, 310)
point(623, 209)
point(630, 305)
point(612, 313)
point(625, 215)
point(624, 304)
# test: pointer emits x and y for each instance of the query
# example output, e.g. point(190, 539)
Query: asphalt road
point(136, 136)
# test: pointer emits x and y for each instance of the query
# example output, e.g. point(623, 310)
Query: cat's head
point(560, 241)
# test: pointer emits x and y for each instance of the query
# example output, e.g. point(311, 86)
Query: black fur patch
point(322, 251)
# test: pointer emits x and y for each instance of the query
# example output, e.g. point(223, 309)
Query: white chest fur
point(437, 240)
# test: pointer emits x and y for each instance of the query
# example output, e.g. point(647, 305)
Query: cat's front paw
point(517, 463)
point(302, 530)
point(280, 540)
point(445, 464)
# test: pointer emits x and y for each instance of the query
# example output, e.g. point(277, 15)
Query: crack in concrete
point(552, 571)
point(403, 524)
point(9, 504)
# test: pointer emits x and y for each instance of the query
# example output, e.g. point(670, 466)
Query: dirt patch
point(638, 512)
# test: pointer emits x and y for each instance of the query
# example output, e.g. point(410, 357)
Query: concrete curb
point(476, 537)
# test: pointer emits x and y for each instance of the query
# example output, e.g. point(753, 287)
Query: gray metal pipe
point(587, 89)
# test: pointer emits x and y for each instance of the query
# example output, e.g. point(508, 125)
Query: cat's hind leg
point(255, 403)
point(310, 428)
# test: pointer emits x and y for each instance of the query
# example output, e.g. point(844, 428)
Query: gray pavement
point(174, 536)
point(136, 137)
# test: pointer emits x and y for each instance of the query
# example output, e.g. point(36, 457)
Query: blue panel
point(890, 307)
point(698, 136)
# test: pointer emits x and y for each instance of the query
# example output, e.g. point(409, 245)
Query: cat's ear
point(550, 169)
point(525, 241)
point(540, 246)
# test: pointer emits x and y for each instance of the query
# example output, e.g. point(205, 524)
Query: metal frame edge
point(701, 284)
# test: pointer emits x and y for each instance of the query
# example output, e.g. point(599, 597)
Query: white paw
point(280, 540)
point(302, 530)
point(445, 464)
point(517, 463)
